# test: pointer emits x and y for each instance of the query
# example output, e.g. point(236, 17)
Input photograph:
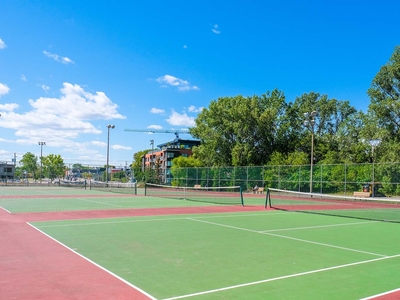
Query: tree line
point(268, 130)
point(52, 166)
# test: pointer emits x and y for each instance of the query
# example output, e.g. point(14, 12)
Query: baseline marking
point(382, 294)
point(97, 265)
point(282, 277)
point(4, 209)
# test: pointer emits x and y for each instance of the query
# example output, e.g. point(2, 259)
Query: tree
point(385, 97)
point(29, 163)
point(185, 162)
point(136, 166)
point(53, 165)
point(332, 114)
point(239, 131)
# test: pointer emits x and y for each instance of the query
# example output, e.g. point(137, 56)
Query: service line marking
point(290, 238)
point(282, 277)
point(98, 202)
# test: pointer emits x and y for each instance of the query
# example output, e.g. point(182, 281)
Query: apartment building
point(160, 159)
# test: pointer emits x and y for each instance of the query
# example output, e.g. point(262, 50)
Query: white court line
point(282, 277)
point(106, 223)
point(290, 238)
point(97, 265)
point(99, 202)
point(4, 209)
point(134, 220)
point(319, 226)
point(382, 294)
point(148, 220)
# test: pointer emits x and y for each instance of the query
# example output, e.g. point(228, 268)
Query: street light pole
point(309, 122)
point(108, 148)
point(41, 144)
point(373, 143)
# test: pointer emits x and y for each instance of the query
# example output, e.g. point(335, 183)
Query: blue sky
point(70, 68)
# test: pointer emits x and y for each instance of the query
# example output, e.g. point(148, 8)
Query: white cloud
point(61, 59)
point(177, 119)
point(61, 119)
point(180, 84)
point(2, 44)
point(45, 88)
point(66, 60)
point(8, 106)
point(99, 144)
point(157, 111)
point(154, 127)
point(119, 147)
point(195, 109)
point(4, 89)
point(23, 78)
point(215, 29)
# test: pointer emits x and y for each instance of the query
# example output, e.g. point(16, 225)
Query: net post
point(135, 189)
point(267, 199)
point(85, 184)
point(145, 189)
point(241, 195)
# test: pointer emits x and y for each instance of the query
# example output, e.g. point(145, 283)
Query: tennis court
point(163, 248)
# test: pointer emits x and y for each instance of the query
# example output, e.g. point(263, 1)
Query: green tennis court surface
point(266, 254)
point(276, 255)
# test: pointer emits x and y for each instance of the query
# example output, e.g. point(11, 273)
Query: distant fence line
point(93, 172)
point(337, 178)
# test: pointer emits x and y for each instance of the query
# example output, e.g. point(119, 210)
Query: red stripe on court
point(134, 212)
point(389, 296)
point(35, 267)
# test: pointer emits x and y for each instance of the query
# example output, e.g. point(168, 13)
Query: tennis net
point(377, 209)
point(218, 195)
point(113, 187)
point(81, 184)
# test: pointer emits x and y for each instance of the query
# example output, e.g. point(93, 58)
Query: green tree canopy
point(385, 97)
point(239, 130)
point(332, 115)
point(185, 162)
point(53, 165)
point(29, 163)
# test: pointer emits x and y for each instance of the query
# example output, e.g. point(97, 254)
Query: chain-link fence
point(69, 172)
point(332, 179)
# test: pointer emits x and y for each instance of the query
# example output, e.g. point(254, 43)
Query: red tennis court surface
point(33, 266)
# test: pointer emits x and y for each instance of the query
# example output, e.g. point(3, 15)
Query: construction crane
point(176, 132)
